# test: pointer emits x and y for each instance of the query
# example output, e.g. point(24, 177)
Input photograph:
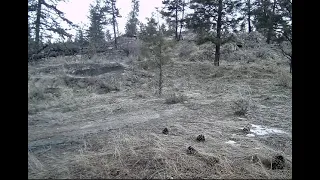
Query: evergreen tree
point(95, 32)
point(110, 9)
point(246, 8)
point(173, 11)
point(108, 35)
point(267, 18)
point(163, 29)
point(131, 26)
point(285, 35)
point(149, 31)
point(212, 20)
point(80, 38)
point(43, 16)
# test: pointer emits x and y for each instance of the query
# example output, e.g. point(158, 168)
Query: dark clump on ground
point(246, 129)
point(240, 113)
point(278, 162)
point(201, 138)
point(165, 131)
point(191, 150)
point(114, 172)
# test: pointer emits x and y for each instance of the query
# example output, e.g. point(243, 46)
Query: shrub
point(36, 94)
point(132, 48)
point(174, 99)
point(284, 79)
point(186, 49)
point(241, 107)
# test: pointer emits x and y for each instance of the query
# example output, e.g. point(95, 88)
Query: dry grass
point(154, 156)
point(84, 134)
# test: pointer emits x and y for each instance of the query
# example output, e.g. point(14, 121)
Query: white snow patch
point(250, 135)
point(86, 126)
point(231, 142)
point(259, 130)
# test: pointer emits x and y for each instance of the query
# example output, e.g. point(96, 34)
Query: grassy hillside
point(102, 117)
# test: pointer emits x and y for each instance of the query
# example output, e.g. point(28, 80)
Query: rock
point(165, 131)
point(201, 138)
point(191, 150)
point(114, 172)
point(246, 129)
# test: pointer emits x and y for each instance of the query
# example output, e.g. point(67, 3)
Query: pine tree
point(110, 9)
point(163, 29)
point(285, 35)
point(108, 35)
point(131, 26)
point(43, 16)
point(80, 38)
point(97, 21)
point(246, 8)
point(248, 12)
point(182, 18)
point(212, 20)
point(172, 10)
point(171, 27)
point(267, 18)
point(149, 31)
point(285, 9)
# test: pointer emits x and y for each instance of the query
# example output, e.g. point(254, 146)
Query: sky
point(77, 11)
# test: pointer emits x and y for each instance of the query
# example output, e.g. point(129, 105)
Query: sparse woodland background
point(215, 21)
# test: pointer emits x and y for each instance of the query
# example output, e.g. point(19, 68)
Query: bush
point(284, 79)
point(145, 51)
point(131, 48)
point(37, 94)
point(186, 49)
point(241, 107)
point(174, 99)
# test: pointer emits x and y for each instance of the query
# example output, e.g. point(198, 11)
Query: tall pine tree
point(267, 18)
point(112, 12)
point(43, 16)
point(173, 11)
point(97, 21)
point(131, 26)
point(149, 31)
point(213, 19)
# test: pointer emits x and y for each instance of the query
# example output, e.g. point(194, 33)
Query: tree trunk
point(249, 16)
point(160, 78)
point(117, 28)
point(270, 30)
point(181, 23)
point(114, 24)
point(218, 43)
point(37, 39)
point(29, 31)
point(160, 70)
point(291, 65)
point(176, 16)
